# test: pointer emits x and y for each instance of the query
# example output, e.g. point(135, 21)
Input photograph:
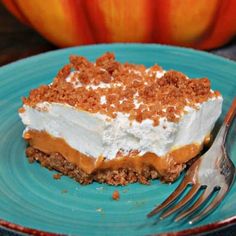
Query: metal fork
point(209, 178)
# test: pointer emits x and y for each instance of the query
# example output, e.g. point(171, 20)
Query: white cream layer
point(95, 135)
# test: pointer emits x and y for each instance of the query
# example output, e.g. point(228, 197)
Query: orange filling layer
point(49, 144)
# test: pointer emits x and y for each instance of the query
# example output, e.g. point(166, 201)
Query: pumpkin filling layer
point(166, 168)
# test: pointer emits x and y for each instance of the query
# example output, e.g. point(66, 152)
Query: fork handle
point(230, 114)
point(221, 136)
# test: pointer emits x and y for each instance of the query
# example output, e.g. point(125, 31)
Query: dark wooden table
point(18, 41)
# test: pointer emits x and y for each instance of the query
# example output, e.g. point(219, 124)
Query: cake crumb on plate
point(116, 195)
point(57, 176)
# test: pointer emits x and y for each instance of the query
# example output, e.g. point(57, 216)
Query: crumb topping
point(116, 195)
point(57, 176)
point(108, 87)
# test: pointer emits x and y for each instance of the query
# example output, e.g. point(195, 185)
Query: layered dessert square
point(118, 123)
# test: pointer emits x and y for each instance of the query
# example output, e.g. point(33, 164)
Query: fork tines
point(198, 196)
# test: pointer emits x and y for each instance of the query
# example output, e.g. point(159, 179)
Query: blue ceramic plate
point(32, 201)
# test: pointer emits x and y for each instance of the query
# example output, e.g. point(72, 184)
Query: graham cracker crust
point(121, 176)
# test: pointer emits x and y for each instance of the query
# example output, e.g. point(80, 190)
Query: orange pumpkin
point(199, 24)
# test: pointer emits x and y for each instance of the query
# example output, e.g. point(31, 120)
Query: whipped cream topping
point(97, 135)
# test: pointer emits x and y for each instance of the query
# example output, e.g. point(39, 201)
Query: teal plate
point(31, 201)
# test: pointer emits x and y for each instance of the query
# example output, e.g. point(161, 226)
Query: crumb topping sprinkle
point(108, 87)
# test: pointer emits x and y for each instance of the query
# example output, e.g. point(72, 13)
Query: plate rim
point(193, 231)
point(206, 228)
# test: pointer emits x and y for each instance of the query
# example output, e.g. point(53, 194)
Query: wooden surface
point(18, 41)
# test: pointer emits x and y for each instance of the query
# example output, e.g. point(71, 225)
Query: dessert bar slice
point(118, 123)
